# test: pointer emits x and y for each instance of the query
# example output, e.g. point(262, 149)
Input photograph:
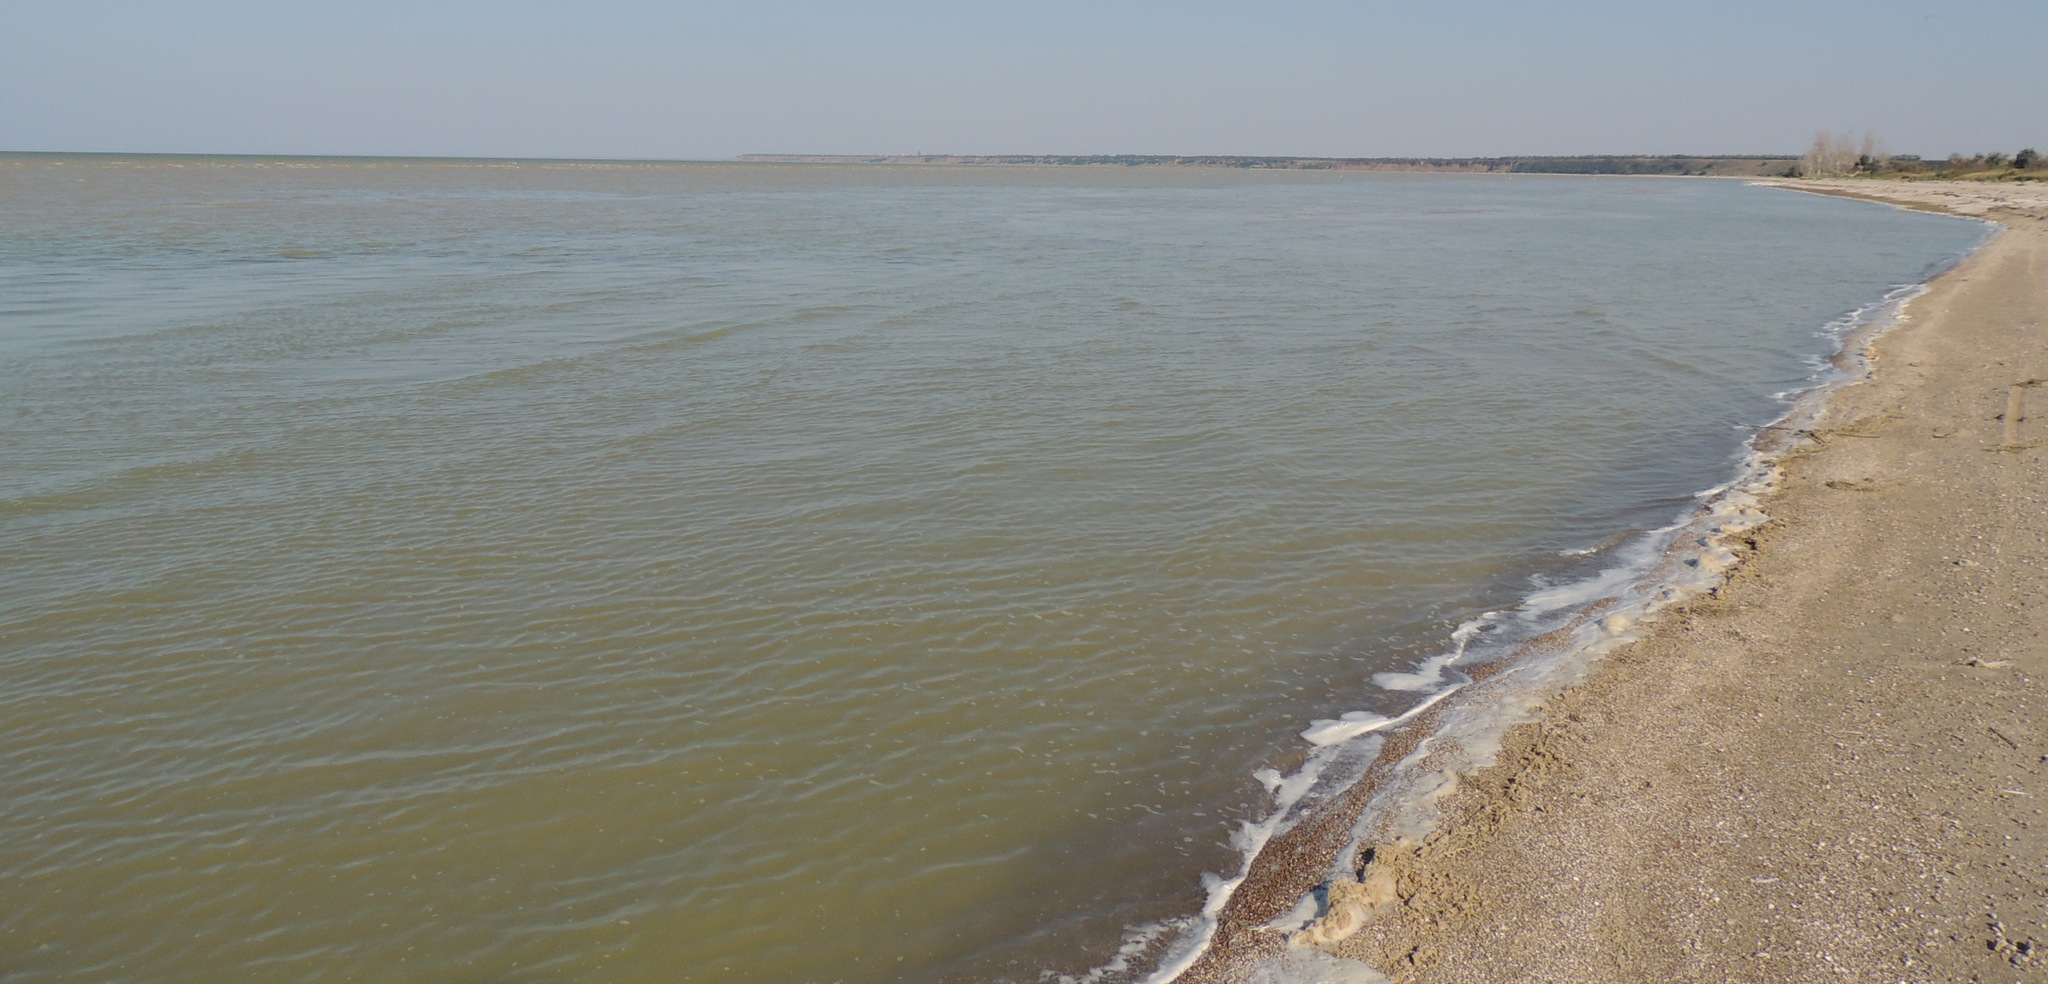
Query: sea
point(457, 571)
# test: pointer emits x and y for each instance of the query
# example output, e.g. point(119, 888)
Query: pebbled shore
point(1829, 769)
point(1834, 769)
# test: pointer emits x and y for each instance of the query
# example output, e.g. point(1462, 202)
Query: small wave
point(1138, 945)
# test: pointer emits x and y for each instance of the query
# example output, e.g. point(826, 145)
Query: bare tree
point(1834, 154)
point(1822, 159)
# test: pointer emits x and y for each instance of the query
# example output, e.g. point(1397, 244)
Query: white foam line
point(1348, 727)
point(1136, 942)
point(1734, 501)
point(1252, 839)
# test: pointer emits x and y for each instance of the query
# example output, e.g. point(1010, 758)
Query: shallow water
point(458, 571)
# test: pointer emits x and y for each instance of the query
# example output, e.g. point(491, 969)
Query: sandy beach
point(1829, 768)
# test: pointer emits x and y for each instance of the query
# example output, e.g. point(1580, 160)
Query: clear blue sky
point(622, 78)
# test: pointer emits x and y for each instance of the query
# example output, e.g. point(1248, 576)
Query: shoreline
point(1514, 853)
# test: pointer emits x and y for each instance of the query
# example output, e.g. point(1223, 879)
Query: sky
point(690, 80)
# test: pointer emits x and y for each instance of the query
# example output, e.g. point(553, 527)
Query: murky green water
point(470, 571)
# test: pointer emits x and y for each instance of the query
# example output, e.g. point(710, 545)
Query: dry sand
point(1832, 768)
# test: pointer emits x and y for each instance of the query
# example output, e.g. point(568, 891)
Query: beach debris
point(1349, 904)
point(1715, 559)
point(1987, 664)
point(2015, 413)
point(2016, 952)
point(1347, 914)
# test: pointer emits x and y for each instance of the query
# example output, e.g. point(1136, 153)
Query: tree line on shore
point(1844, 155)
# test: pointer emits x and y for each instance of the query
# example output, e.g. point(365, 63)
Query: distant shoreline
point(1675, 165)
point(1734, 165)
point(1746, 166)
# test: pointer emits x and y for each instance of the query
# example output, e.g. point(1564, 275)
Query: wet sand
point(1828, 769)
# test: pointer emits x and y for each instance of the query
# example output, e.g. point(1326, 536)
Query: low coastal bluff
point(1731, 166)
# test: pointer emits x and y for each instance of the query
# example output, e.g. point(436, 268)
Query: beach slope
point(1832, 768)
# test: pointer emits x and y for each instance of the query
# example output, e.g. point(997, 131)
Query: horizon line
point(753, 157)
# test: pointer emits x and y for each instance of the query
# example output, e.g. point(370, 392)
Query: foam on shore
point(1548, 642)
